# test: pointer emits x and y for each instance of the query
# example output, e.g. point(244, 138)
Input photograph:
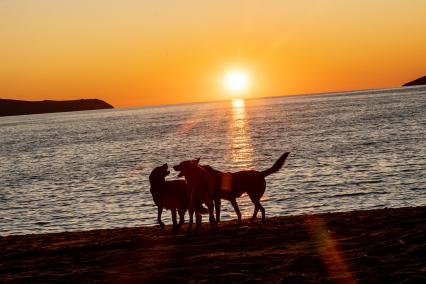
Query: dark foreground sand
point(378, 246)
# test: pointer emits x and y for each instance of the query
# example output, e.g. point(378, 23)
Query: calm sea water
point(89, 170)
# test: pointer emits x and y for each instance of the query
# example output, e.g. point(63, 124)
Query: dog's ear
point(165, 166)
point(177, 168)
point(197, 160)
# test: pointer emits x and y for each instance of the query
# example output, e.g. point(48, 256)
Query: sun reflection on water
point(238, 103)
point(241, 145)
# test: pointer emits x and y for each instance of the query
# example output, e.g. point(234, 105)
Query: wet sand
point(375, 246)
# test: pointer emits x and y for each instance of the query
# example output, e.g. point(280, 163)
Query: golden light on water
point(241, 148)
point(238, 103)
point(241, 144)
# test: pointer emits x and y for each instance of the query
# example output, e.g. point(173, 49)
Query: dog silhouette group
point(204, 185)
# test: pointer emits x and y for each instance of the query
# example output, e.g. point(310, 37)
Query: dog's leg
point(258, 206)
point(198, 217)
point(256, 210)
point(181, 213)
point(191, 219)
point(210, 206)
point(174, 218)
point(217, 208)
point(160, 211)
point(237, 210)
point(263, 212)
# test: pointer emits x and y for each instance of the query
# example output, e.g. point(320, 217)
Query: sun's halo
point(236, 81)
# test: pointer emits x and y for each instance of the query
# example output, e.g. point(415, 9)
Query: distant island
point(17, 107)
point(420, 81)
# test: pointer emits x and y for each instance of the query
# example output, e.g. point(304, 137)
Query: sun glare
point(238, 103)
point(236, 81)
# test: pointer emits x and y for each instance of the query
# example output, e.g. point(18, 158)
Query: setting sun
point(236, 81)
point(306, 115)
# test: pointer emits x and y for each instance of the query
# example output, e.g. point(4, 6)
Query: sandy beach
point(375, 246)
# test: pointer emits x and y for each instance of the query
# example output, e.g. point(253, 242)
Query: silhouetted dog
point(229, 186)
point(200, 185)
point(173, 195)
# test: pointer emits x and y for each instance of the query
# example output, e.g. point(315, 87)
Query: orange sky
point(132, 53)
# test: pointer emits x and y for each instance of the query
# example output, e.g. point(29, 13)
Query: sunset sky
point(134, 53)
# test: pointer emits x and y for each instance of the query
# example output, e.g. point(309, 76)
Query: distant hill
point(420, 81)
point(15, 107)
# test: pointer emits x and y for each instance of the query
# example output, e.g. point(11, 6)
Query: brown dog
point(200, 185)
point(229, 186)
point(173, 195)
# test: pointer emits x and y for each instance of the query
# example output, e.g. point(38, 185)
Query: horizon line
point(269, 97)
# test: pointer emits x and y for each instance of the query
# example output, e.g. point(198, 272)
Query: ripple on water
point(89, 170)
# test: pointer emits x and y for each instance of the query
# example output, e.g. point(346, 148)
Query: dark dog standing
point(173, 195)
point(229, 186)
point(200, 185)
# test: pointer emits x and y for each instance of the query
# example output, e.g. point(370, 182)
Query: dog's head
point(159, 173)
point(184, 167)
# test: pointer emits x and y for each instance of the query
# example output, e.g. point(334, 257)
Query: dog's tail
point(277, 166)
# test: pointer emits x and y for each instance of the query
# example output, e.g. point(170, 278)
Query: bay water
point(89, 170)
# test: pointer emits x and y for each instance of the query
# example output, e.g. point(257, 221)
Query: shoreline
point(374, 246)
point(246, 221)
